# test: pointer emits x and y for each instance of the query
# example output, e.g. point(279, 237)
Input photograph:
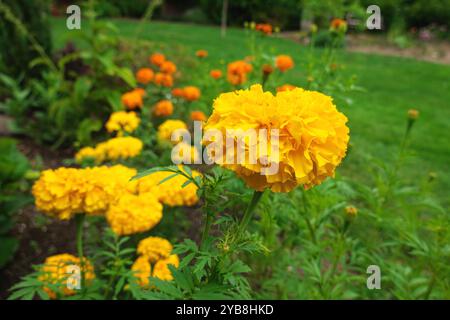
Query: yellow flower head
point(413, 114)
point(85, 153)
point(121, 121)
point(170, 192)
point(186, 154)
point(163, 108)
point(351, 211)
point(167, 127)
point(312, 136)
point(134, 213)
point(161, 269)
point(57, 270)
point(154, 248)
point(119, 148)
point(142, 270)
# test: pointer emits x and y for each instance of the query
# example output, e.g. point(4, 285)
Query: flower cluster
point(171, 192)
point(56, 271)
point(156, 251)
point(313, 135)
point(112, 149)
point(134, 213)
point(64, 192)
point(122, 121)
point(237, 72)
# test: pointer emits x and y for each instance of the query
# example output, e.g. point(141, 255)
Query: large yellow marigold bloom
point(313, 135)
point(163, 108)
point(132, 100)
point(154, 248)
point(284, 62)
point(57, 270)
point(237, 72)
point(167, 127)
point(119, 148)
point(161, 268)
point(170, 192)
point(122, 121)
point(134, 213)
point(144, 75)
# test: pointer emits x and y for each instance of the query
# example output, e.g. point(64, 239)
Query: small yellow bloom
point(122, 121)
point(167, 127)
point(154, 248)
point(351, 211)
point(413, 114)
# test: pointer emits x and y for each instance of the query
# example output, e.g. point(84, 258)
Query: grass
point(377, 117)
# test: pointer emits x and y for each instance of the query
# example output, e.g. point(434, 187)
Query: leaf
point(8, 246)
point(86, 128)
point(166, 287)
point(153, 170)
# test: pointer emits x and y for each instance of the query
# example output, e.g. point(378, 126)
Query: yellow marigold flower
point(164, 79)
point(157, 59)
point(154, 248)
point(121, 121)
point(313, 135)
point(163, 108)
point(351, 211)
point(171, 191)
point(215, 74)
point(168, 67)
point(132, 100)
point(84, 153)
point(178, 92)
point(413, 114)
point(186, 154)
point(119, 148)
point(191, 93)
point(167, 127)
point(161, 269)
point(198, 116)
point(284, 62)
point(64, 192)
point(134, 213)
point(201, 53)
point(144, 75)
point(286, 87)
point(237, 72)
point(58, 268)
point(142, 270)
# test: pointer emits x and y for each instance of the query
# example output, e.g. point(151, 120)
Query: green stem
point(206, 229)
point(249, 211)
point(79, 220)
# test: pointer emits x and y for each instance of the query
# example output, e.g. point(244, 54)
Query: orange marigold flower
point(339, 25)
point(191, 93)
point(144, 75)
point(198, 116)
point(163, 108)
point(178, 92)
point(267, 69)
point(140, 91)
point(264, 28)
point(168, 67)
point(286, 87)
point(284, 62)
point(163, 79)
point(201, 53)
point(132, 100)
point(216, 73)
point(237, 72)
point(413, 114)
point(157, 59)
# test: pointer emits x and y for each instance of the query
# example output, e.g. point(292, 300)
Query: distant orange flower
point(216, 73)
point(168, 67)
point(132, 100)
point(163, 79)
point(201, 53)
point(144, 75)
point(338, 25)
point(157, 59)
point(163, 108)
point(237, 72)
point(267, 69)
point(198, 116)
point(264, 28)
point(284, 62)
point(191, 93)
point(286, 87)
point(140, 91)
point(178, 92)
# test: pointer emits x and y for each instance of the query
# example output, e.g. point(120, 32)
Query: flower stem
point(206, 229)
point(79, 220)
point(249, 211)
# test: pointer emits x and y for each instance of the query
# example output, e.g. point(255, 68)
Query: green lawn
point(377, 116)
